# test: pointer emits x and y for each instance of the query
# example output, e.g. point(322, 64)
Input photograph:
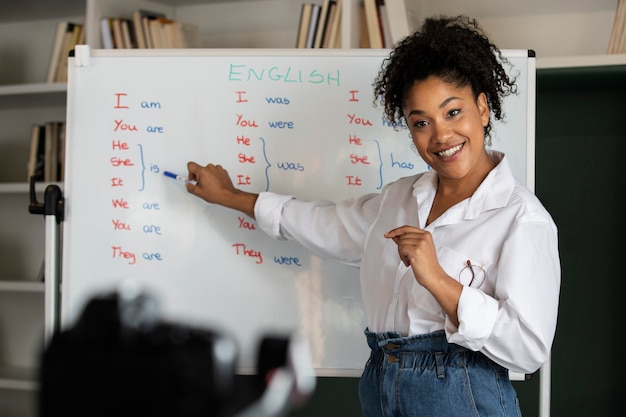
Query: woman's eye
point(454, 112)
point(420, 123)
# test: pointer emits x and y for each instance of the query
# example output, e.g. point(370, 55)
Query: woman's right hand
point(214, 185)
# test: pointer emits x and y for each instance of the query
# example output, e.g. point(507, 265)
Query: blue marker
point(179, 178)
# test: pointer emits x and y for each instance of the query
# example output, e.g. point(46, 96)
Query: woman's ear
point(483, 108)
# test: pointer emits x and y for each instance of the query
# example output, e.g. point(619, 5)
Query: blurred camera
point(120, 360)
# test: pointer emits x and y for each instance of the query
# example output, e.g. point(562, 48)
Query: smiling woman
point(447, 125)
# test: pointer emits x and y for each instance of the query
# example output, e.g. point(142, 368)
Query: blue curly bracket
point(380, 167)
point(267, 166)
point(143, 169)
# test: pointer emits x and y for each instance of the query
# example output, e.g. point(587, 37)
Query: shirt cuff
point(477, 313)
point(268, 210)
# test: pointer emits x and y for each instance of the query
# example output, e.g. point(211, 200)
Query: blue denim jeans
point(426, 376)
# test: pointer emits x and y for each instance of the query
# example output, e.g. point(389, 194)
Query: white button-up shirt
point(503, 230)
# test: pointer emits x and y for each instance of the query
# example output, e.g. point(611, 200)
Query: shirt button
point(395, 295)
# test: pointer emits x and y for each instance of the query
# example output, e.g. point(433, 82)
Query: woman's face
point(447, 126)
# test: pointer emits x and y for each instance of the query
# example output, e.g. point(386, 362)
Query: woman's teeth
point(450, 152)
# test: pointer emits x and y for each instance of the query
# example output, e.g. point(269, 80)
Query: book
point(364, 38)
point(42, 271)
point(402, 18)
point(159, 34)
point(118, 37)
point(145, 17)
point(138, 29)
point(60, 174)
point(46, 154)
point(33, 153)
point(184, 35)
point(384, 24)
point(41, 154)
point(145, 25)
point(617, 40)
point(167, 32)
point(375, 35)
point(51, 145)
point(303, 24)
point(334, 40)
point(331, 21)
point(106, 33)
point(154, 29)
point(73, 33)
point(55, 55)
point(313, 22)
point(128, 33)
point(322, 22)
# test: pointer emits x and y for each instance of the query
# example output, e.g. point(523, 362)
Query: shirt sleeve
point(516, 326)
point(330, 230)
point(267, 211)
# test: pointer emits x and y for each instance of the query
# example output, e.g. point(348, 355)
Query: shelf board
point(42, 9)
point(24, 187)
point(41, 94)
point(46, 9)
point(581, 61)
point(16, 378)
point(21, 286)
point(33, 88)
point(492, 8)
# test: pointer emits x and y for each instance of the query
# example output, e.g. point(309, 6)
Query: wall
point(580, 176)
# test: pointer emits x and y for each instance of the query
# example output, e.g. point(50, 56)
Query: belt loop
point(441, 372)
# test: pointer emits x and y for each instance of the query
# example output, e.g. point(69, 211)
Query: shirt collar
point(492, 193)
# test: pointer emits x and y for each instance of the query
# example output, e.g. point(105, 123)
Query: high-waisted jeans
point(426, 376)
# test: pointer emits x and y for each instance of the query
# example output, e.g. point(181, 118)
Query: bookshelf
point(564, 33)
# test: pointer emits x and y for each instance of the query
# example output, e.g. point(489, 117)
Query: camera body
point(120, 360)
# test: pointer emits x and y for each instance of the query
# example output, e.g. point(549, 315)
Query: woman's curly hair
point(455, 49)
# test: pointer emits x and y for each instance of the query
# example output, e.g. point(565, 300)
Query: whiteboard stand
point(544, 389)
point(53, 210)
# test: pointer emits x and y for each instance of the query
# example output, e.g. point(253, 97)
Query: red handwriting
point(118, 104)
point(354, 140)
point(353, 119)
point(355, 159)
point(117, 182)
point(119, 225)
point(115, 161)
point(245, 123)
point(241, 249)
point(243, 159)
point(243, 179)
point(119, 253)
point(116, 144)
point(120, 125)
point(353, 94)
point(240, 98)
point(244, 224)
point(121, 203)
point(354, 180)
point(242, 140)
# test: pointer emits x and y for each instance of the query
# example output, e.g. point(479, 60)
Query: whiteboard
point(299, 122)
